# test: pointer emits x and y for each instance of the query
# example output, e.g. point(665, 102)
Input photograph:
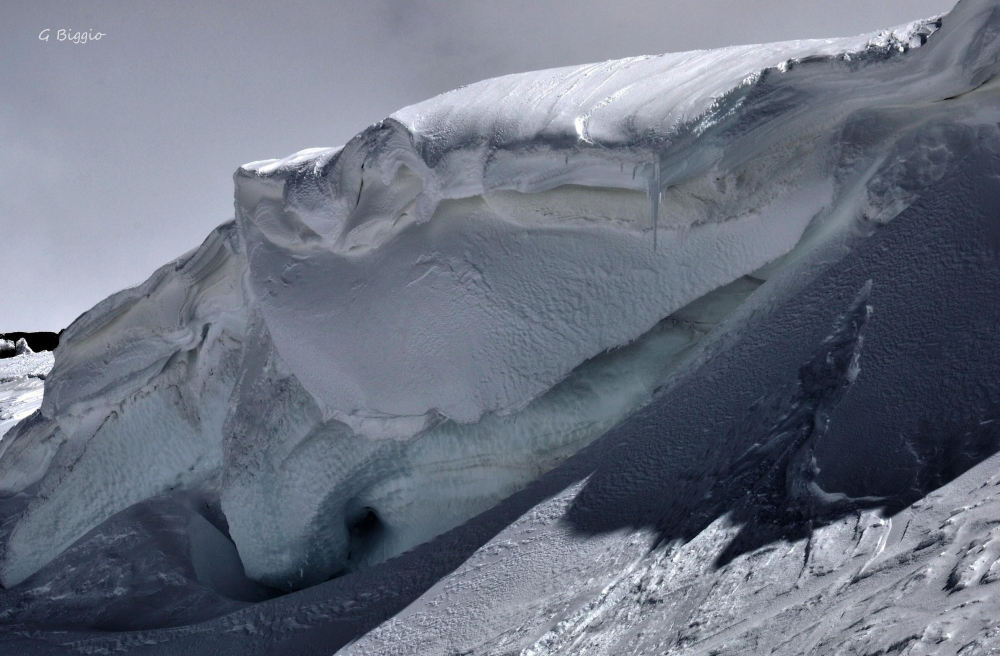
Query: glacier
point(393, 337)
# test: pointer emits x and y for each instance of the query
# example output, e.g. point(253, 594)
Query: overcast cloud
point(117, 155)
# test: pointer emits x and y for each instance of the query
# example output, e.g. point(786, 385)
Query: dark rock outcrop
point(40, 341)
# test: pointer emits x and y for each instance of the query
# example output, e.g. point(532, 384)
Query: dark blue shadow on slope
point(782, 452)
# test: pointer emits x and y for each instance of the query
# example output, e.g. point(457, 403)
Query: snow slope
point(658, 539)
point(812, 526)
point(488, 242)
point(394, 336)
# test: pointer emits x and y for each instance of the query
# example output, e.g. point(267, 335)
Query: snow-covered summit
point(396, 334)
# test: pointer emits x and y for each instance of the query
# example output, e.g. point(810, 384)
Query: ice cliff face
point(394, 335)
point(134, 405)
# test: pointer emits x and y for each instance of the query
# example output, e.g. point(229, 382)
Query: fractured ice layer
point(395, 334)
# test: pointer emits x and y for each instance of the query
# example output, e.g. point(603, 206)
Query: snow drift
point(394, 335)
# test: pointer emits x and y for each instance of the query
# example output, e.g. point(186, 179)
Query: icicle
point(654, 198)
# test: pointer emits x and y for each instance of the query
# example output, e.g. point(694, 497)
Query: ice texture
point(827, 484)
point(700, 523)
point(394, 335)
point(134, 405)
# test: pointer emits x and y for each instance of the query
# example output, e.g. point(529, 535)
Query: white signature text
point(70, 36)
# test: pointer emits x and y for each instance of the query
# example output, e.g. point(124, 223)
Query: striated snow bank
point(394, 335)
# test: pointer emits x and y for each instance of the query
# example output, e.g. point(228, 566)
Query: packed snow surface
point(394, 335)
point(21, 384)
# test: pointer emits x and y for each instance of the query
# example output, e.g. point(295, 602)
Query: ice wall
point(395, 334)
point(134, 405)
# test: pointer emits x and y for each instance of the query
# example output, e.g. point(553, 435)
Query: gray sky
point(117, 155)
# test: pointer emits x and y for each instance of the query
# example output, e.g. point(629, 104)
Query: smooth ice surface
point(394, 335)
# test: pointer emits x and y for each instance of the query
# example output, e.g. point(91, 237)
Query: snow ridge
point(394, 335)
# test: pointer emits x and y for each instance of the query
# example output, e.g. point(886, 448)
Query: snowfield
point(21, 382)
point(689, 354)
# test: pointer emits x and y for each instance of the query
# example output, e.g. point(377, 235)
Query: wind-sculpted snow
point(489, 241)
point(822, 496)
point(784, 498)
point(395, 335)
point(134, 405)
